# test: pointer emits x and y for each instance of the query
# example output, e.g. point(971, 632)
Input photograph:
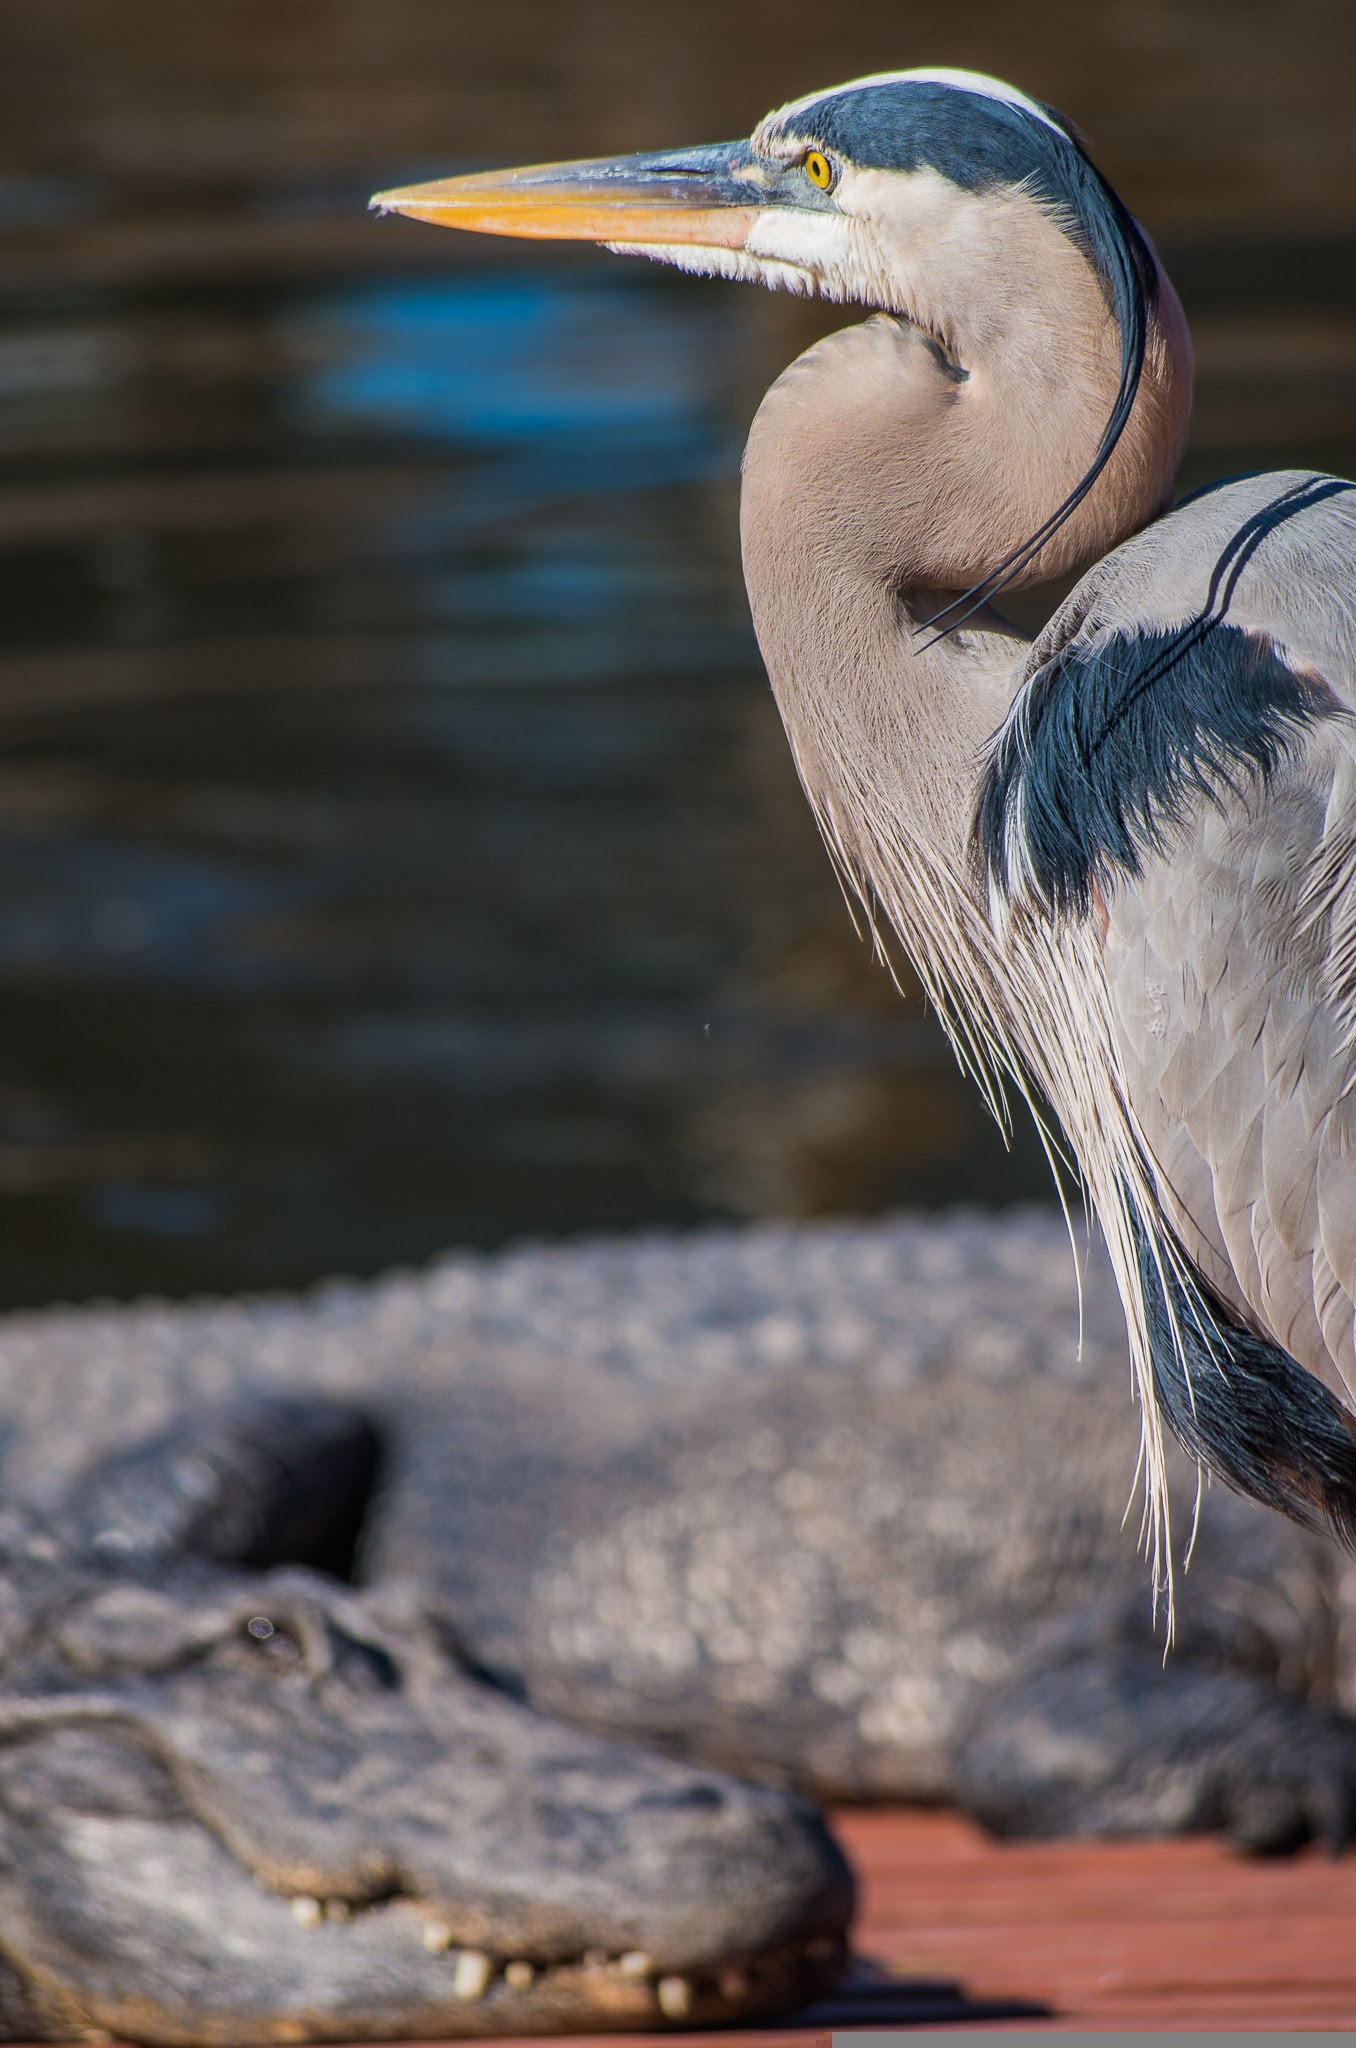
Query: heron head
point(828, 196)
point(943, 197)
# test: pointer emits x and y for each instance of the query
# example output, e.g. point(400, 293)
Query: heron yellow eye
point(818, 169)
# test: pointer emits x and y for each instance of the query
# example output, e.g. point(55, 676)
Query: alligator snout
point(270, 1806)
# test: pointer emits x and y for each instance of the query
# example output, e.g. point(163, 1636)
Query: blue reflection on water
point(157, 1211)
point(579, 420)
point(502, 362)
point(145, 913)
point(421, 935)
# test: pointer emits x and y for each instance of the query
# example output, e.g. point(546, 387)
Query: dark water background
point(397, 843)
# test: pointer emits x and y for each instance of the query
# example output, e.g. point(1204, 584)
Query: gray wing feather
point(1231, 959)
point(1242, 1089)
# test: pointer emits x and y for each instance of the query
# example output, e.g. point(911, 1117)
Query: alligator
point(451, 1654)
point(241, 1799)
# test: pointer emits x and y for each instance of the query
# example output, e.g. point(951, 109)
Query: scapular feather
point(1118, 737)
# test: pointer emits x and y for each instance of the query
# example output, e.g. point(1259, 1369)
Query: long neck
point(888, 734)
point(893, 465)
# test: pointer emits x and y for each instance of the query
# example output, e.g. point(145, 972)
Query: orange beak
point(708, 196)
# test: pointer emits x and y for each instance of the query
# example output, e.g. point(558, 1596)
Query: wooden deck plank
point(1155, 1934)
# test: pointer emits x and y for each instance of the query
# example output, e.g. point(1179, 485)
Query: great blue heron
point(1121, 858)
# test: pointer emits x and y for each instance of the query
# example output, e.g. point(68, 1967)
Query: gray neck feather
point(875, 485)
point(888, 732)
point(879, 482)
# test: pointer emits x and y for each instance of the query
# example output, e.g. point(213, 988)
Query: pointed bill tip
point(650, 200)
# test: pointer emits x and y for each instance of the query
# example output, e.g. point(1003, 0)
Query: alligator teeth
point(519, 1975)
point(675, 1997)
point(471, 1975)
point(437, 1937)
point(307, 1912)
point(635, 1963)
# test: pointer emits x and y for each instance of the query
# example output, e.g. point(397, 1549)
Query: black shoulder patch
point(1114, 741)
point(1244, 1408)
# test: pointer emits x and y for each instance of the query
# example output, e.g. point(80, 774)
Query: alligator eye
point(260, 1633)
point(819, 170)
